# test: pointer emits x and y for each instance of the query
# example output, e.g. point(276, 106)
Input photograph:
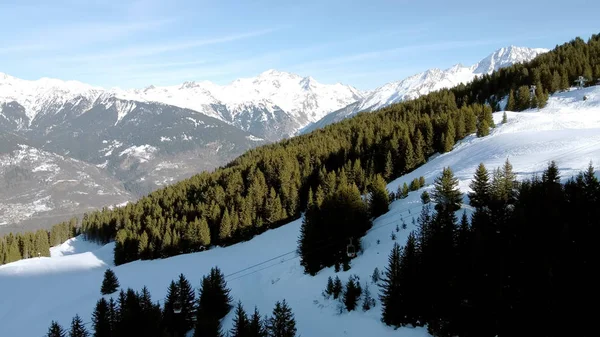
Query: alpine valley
point(67, 147)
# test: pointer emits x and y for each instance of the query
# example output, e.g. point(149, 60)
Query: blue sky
point(135, 43)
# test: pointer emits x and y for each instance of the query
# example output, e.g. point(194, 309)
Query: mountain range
point(125, 143)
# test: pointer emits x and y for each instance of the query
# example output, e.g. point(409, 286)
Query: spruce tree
point(101, 319)
point(375, 276)
point(368, 301)
point(483, 128)
point(523, 101)
point(379, 198)
point(256, 326)
point(329, 288)
point(77, 328)
point(388, 169)
point(390, 289)
point(56, 330)
point(214, 295)
point(282, 323)
point(187, 300)
point(504, 118)
point(110, 284)
point(241, 325)
point(338, 287)
point(446, 194)
point(510, 102)
point(541, 96)
point(480, 187)
point(171, 320)
point(225, 227)
point(352, 293)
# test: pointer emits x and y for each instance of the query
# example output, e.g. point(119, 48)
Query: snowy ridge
point(40, 95)
point(430, 80)
point(567, 130)
point(305, 99)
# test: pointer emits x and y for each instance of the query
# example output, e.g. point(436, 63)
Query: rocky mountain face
point(428, 81)
point(66, 148)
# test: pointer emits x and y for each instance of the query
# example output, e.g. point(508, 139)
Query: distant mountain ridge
point(428, 81)
point(145, 138)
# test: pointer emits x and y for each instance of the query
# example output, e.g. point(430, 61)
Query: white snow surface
point(429, 81)
point(302, 97)
point(266, 268)
point(143, 152)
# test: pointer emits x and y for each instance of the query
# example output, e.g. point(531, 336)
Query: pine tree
point(101, 319)
point(510, 102)
point(56, 330)
point(187, 300)
point(425, 198)
point(110, 284)
point(282, 322)
point(352, 293)
point(368, 301)
point(338, 287)
point(523, 101)
point(171, 320)
point(541, 96)
point(390, 289)
point(480, 186)
point(446, 194)
point(504, 118)
point(77, 328)
point(225, 227)
point(214, 299)
point(256, 326)
point(388, 169)
point(376, 275)
point(483, 128)
point(329, 288)
point(379, 198)
point(241, 325)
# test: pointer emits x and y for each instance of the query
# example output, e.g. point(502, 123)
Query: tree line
point(14, 247)
point(136, 314)
point(523, 264)
point(269, 186)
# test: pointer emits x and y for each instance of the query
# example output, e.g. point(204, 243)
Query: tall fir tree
point(510, 102)
point(352, 293)
point(256, 325)
point(390, 289)
point(77, 328)
point(282, 322)
point(241, 324)
point(446, 194)
point(187, 299)
point(110, 283)
point(480, 187)
point(56, 330)
point(101, 319)
point(379, 197)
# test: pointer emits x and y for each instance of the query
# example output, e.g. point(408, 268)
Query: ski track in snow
point(36, 291)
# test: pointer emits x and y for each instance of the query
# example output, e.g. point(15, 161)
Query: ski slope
point(266, 269)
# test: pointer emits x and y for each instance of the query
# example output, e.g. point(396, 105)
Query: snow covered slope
point(266, 269)
point(428, 81)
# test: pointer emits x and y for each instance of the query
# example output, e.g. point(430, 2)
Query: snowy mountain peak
point(505, 57)
point(428, 81)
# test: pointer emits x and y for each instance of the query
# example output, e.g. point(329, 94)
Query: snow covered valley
point(266, 269)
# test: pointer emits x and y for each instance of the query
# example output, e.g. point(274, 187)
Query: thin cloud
point(150, 50)
point(22, 48)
